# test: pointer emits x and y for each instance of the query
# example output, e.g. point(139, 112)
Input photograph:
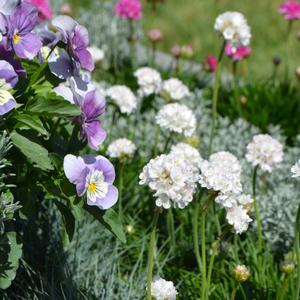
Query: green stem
point(233, 294)
point(151, 254)
point(259, 226)
point(215, 99)
point(297, 251)
point(120, 188)
point(210, 267)
point(284, 288)
point(170, 221)
point(196, 236)
point(203, 250)
point(157, 135)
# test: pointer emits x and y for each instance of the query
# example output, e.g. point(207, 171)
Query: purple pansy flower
point(19, 31)
point(7, 102)
point(93, 176)
point(92, 105)
point(8, 76)
point(77, 39)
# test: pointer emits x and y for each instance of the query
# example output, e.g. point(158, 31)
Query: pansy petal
point(94, 133)
point(7, 7)
point(64, 23)
point(93, 105)
point(28, 46)
point(81, 182)
point(8, 76)
point(104, 165)
point(108, 201)
point(7, 102)
point(61, 66)
point(73, 167)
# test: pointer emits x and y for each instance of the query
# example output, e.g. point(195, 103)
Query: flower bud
point(243, 100)
point(241, 273)
point(276, 60)
point(193, 141)
point(155, 35)
point(297, 72)
point(130, 229)
point(66, 9)
point(287, 266)
point(176, 51)
point(187, 51)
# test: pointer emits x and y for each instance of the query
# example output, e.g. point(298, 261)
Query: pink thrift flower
point(211, 63)
point(129, 9)
point(237, 54)
point(43, 7)
point(290, 10)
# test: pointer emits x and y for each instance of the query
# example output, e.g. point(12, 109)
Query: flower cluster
point(234, 28)
point(290, 10)
point(162, 289)
point(172, 179)
point(129, 9)
point(123, 97)
point(121, 148)
point(177, 118)
point(174, 89)
point(265, 152)
point(222, 174)
point(149, 81)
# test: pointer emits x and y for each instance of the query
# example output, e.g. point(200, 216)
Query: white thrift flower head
point(221, 173)
point(187, 152)
point(123, 97)
point(237, 216)
point(265, 152)
point(96, 53)
point(296, 169)
point(162, 289)
point(172, 179)
point(121, 149)
point(174, 89)
point(177, 118)
point(234, 28)
point(149, 81)
point(230, 200)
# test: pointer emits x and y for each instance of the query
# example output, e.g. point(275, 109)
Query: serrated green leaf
point(53, 105)
point(33, 122)
point(10, 254)
point(33, 151)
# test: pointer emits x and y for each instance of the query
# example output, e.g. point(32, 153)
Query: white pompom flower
point(221, 173)
point(174, 89)
point(177, 118)
point(234, 28)
point(265, 152)
point(149, 81)
point(172, 179)
point(238, 217)
point(96, 53)
point(121, 149)
point(296, 169)
point(162, 289)
point(123, 97)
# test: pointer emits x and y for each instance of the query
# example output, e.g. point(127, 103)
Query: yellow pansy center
point(16, 38)
point(92, 187)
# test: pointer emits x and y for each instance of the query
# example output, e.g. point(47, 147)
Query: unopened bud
point(66, 9)
point(176, 51)
point(187, 51)
point(155, 35)
point(241, 273)
point(276, 60)
point(287, 267)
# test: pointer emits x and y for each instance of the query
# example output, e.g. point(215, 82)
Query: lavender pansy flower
point(8, 76)
point(20, 36)
point(7, 102)
point(77, 39)
point(92, 105)
point(93, 176)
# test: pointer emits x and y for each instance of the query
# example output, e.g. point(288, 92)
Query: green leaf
point(10, 254)
point(110, 219)
point(53, 105)
point(33, 151)
point(33, 122)
point(68, 220)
